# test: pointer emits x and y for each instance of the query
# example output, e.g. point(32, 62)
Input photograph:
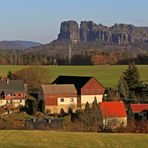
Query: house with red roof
point(113, 114)
point(138, 111)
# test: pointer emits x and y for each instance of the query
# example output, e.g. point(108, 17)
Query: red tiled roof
point(112, 109)
point(136, 108)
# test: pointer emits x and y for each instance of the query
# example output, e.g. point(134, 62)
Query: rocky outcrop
point(91, 32)
point(69, 31)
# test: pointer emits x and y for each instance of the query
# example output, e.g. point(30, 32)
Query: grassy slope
point(107, 75)
point(46, 139)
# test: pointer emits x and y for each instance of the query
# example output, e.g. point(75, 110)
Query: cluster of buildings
point(73, 92)
point(12, 93)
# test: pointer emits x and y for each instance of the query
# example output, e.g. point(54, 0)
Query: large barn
point(88, 88)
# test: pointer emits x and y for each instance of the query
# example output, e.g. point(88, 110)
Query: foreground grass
point(46, 139)
point(108, 75)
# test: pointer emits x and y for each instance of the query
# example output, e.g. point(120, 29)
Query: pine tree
point(95, 110)
point(123, 88)
point(10, 75)
point(86, 116)
point(87, 108)
point(132, 78)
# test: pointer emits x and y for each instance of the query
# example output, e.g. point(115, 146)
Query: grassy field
point(46, 139)
point(106, 74)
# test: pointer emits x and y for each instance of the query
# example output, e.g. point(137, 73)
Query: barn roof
point(136, 108)
point(59, 89)
point(12, 86)
point(112, 109)
point(78, 81)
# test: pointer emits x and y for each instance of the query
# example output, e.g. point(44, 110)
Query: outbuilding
point(138, 111)
point(113, 114)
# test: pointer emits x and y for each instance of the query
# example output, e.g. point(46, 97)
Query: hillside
point(18, 44)
point(106, 74)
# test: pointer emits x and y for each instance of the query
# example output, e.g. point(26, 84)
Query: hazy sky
point(39, 20)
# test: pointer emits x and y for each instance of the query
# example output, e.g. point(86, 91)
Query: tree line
point(85, 57)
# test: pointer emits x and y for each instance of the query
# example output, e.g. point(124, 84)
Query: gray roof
point(59, 89)
point(12, 86)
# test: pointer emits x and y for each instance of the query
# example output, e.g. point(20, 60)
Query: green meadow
point(47, 139)
point(108, 75)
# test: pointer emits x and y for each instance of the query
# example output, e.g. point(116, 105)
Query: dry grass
point(46, 139)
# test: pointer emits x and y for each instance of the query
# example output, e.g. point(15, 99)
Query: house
point(113, 114)
point(88, 88)
point(59, 96)
point(12, 92)
point(138, 111)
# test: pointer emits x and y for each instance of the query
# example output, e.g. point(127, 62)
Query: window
point(71, 99)
point(62, 100)
point(14, 95)
point(19, 94)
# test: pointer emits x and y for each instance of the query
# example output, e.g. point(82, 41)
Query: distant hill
point(78, 45)
point(18, 44)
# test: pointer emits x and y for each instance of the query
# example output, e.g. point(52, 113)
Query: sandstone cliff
point(88, 31)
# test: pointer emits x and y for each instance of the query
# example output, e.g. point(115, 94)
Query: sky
point(39, 20)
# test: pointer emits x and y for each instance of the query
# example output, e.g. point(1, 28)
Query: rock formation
point(120, 34)
point(69, 31)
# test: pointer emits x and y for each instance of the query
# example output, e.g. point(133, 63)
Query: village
point(82, 98)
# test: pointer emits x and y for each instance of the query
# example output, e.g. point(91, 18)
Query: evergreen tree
point(62, 112)
point(95, 111)
point(10, 75)
point(86, 115)
point(87, 108)
point(123, 88)
point(132, 78)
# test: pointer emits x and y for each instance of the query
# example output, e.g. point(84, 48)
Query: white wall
point(14, 102)
point(67, 101)
point(3, 102)
point(90, 98)
point(117, 120)
point(17, 102)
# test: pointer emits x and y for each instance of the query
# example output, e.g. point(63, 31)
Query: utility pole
point(70, 52)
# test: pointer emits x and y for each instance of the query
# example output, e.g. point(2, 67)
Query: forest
point(83, 57)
